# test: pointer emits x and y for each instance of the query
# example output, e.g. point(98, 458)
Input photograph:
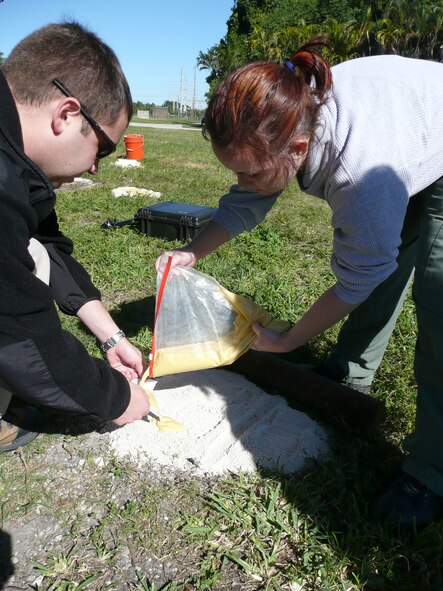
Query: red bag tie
point(157, 310)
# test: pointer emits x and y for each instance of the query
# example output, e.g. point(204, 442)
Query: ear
point(64, 112)
point(299, 150)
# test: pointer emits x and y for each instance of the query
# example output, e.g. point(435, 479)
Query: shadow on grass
point(135, 316)
point(338, 500)
point(6, 566)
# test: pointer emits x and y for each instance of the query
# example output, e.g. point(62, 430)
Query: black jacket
point(42, 363)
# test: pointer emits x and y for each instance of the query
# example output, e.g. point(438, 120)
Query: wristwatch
point(112, 341)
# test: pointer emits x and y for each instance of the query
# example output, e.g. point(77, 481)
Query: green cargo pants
point(364, 336)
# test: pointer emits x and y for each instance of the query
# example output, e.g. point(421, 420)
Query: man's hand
point(127, 359)
point(123, 356)
point(137, 409)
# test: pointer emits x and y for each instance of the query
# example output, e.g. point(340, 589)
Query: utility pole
point(193, 94)
point(180, 94)
point(184, 96)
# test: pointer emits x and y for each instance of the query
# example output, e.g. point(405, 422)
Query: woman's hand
point(179, 257)
point(270, 340)
point(323, 314)
point(207, 240)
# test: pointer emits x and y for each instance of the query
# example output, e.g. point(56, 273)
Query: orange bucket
point(134, 143)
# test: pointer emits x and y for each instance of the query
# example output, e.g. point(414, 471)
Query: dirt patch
point(185, 164)
point(77, 512)
point(79, 184)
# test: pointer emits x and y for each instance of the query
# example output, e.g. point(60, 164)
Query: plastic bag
point(199, 324)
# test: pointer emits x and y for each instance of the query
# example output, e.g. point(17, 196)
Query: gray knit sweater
point(379, 142)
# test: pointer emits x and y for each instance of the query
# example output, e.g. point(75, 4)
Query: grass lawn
point(315, 531)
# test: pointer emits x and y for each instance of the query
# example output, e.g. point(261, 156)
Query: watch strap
point(112, 341)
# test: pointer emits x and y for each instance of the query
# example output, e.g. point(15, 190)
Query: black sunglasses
point(109, 147)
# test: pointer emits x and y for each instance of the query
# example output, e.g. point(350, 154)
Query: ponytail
point(265, 106)
point(312, 65)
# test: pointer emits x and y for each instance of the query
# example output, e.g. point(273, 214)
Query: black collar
point(11, 131)
point(9, 118)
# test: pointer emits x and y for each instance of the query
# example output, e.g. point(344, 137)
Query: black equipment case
point(172, 220)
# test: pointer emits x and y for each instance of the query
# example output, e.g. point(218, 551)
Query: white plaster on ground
point(230, 425)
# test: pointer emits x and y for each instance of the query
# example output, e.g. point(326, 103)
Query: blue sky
point(157, 42)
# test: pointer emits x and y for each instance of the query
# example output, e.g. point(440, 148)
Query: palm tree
point(364, 29)
point(418, 26)
point(342, 38)
point(429, 26)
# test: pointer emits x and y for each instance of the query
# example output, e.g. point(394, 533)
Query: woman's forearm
point(324, 313)
point(210, 238)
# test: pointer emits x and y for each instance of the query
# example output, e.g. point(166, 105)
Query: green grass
point(315, 532)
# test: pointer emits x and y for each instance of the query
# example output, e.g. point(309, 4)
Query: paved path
point(191, 126)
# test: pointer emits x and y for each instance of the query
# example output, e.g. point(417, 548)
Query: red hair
point(264, 106)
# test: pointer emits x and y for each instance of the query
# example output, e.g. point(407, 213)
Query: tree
point(273, 29)
point(412, 28)
point(245, 14)
point(170, 105)
point(223, 58)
